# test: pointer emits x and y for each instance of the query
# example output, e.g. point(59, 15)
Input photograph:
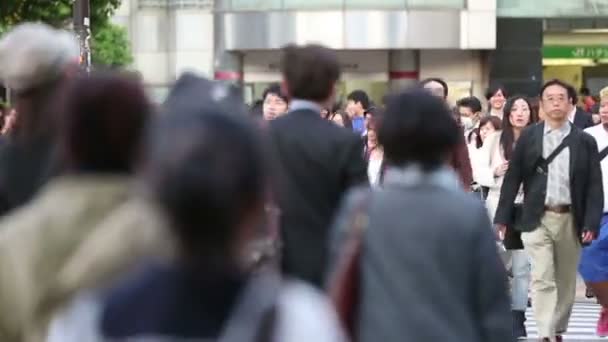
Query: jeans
point(520, 267)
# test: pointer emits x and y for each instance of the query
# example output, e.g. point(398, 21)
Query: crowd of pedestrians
point(296, 219)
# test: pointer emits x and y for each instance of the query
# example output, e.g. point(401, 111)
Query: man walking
point(357, 104)
point(559, 167)
point(318, 160)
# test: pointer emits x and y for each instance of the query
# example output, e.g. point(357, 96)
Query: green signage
point(590, 52)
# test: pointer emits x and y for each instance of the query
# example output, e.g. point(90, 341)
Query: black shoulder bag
point(603, 153)
point(542, 165)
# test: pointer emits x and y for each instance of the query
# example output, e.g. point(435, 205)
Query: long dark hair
point(507, 138)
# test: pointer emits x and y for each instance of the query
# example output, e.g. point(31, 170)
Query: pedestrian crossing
point(582, 323)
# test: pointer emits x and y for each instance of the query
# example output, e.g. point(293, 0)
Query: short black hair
point(438, 80)
point(359, 96)
point(494, 88)
point(256, 109)
point(310, 71)
point(424, 122)
point(572, 95)
point(274, 89)
point(470, 102)
point(585, 91)
point(206, 170)
point(556, 82)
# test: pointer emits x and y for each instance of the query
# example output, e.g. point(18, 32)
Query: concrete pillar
point(193, 37)
point(461, 69)
point(228, 66)
point(517, 62)
point(149, 36)
point(403, 68)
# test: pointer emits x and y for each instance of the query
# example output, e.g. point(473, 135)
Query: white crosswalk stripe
point(582, 323)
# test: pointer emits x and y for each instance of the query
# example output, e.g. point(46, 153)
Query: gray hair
point(34, 54)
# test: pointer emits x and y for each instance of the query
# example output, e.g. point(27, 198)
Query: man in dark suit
point(563, 205)
point(317, 160)
point(577, 115)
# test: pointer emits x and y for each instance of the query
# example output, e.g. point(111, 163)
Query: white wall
point(167, 41)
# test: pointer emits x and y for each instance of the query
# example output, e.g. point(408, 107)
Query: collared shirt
point(572, 115)
point(558, 180)
point(601, 136)
point(413, 175)
point(497, 113)
point(299, 104)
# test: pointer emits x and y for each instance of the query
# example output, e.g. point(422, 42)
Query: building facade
point(381, 43)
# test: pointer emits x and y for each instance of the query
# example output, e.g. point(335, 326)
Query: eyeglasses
point(558, 99)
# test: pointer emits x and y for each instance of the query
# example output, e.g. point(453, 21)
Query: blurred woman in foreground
point(99, 135)
point(205, 169)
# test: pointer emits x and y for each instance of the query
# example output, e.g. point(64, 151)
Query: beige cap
point(32, 54)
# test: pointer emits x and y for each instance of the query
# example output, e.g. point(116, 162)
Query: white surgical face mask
point(467, 122)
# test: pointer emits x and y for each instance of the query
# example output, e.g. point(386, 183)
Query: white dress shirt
point(572, 115)
point(601, 136)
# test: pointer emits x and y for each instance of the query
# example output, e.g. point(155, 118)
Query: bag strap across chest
point(542, 165)
point(603, 153)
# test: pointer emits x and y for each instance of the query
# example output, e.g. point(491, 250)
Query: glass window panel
point(313, 4)
point(551, 8)
point(436, 3)
point(375, 4)
point(259, 5)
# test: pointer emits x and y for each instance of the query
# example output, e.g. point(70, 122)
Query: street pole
point(82, 27)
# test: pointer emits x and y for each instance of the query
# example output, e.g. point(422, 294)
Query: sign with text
point(551, 8)
point(588, 52)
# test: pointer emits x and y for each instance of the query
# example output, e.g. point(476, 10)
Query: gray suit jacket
point(430, 266)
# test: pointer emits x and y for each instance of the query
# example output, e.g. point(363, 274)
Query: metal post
point(82, 27)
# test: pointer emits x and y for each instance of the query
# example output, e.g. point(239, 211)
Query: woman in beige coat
point(99, 137)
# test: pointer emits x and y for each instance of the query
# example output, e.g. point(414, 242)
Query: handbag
point(344, 286)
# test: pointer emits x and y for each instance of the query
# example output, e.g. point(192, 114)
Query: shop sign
point(589, 52)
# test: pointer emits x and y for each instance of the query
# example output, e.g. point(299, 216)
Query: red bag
point(344, 287)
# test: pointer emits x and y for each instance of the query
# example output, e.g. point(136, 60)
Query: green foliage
point(110, 46)
point(55, 12)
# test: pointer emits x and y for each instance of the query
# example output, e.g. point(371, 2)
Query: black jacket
point(585, 181)
point(583, 119)
point(24, 169)
point(317, 161)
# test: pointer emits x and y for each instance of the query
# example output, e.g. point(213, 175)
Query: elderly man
point(35, 63)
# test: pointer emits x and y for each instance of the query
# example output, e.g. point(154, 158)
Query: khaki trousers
point(554, 251)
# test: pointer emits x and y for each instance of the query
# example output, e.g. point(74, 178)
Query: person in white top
point(488, 125)
point(594, 259)
point(493, 164)
point(374, 155)
point(469, 109)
